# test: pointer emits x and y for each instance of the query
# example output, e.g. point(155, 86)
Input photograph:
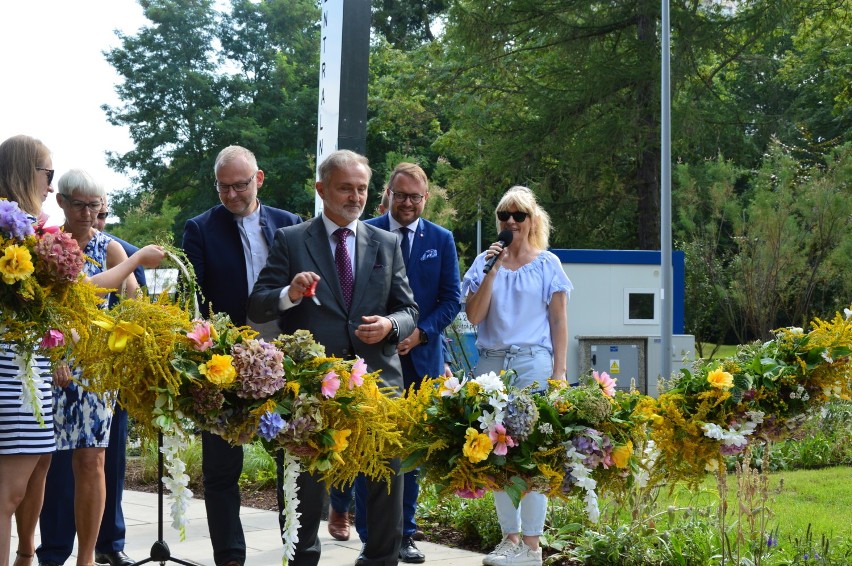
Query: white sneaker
point(498, 556)
point(523, 556)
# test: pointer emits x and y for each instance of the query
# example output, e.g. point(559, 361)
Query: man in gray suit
point(364, 305)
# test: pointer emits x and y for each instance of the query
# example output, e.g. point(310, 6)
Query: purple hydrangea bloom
point(270, 425)
point(14, 221)
point(260, 367)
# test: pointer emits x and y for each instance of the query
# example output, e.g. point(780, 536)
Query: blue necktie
point(404, 244)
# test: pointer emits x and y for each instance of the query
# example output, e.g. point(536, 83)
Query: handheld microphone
point(504, 238)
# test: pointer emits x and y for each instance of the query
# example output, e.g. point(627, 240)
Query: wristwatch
point(393, 335)
point(424, 338)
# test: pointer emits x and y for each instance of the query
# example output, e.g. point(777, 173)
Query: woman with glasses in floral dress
point(26, 445)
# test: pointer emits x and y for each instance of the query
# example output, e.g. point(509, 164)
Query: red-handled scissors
point(311, 292)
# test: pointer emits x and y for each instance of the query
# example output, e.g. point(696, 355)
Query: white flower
point(848, 313)
point(31, 380)
point(491, 383)
point(734, 436)
point(176, 479)
point(592, 508)
point(498, 401)
point(451, 386)
point(545, 428)
point(290, 491)
point(487, 419)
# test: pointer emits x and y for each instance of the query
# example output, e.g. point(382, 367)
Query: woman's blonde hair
point(19, 157)
point(523, 199)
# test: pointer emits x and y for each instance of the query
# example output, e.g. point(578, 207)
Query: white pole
point(666, 294)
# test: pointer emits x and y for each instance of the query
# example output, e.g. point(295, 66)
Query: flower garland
point(43, 300)
point(763, 393)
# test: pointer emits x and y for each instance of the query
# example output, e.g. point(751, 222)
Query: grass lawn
point(821, 498)
point(724, 351)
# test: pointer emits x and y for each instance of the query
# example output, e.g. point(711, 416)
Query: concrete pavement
point(262, 537)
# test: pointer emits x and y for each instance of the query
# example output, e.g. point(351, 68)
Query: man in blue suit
point(432, 266)
point(57, 532)
point(228, 246)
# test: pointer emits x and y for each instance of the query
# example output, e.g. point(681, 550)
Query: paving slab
point(263, 542)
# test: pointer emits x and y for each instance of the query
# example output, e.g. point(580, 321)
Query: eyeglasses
point(49, 172)
point(102, 215)
point(400, 197)
point(239, 187)
point(504, 215)
point(79, 205)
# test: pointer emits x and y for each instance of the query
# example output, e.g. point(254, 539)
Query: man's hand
point(374, 329)
point(300, 284)
point(405, 346)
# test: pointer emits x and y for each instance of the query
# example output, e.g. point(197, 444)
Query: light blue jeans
point(532, 364)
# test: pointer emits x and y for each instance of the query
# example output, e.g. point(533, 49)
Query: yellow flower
point(16, 264)
point(477, 445)
point(219, 370)
point(120, 332)
point(341, 439)
point(293, 386)
point(720, 379)
point(621, 454)
point(341, 442)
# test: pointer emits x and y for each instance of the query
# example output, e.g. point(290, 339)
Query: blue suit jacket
point(212, 243)
point(433, 273)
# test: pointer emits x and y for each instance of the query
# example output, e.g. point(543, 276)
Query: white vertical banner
point(331, 49)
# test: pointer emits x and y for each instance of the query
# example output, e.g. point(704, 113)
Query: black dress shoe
point(117, 558)
point(409, 553)
point(361, 561)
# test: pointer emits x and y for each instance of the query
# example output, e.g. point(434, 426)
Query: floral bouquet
point(762, 393)
point(42, 298)
point(481, 434)
point(328, 412)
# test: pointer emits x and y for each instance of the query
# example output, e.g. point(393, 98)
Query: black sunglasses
point(49, 172)
point(504, 215)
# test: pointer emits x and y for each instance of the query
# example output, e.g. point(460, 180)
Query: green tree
point(769, 241)
point(196, 80)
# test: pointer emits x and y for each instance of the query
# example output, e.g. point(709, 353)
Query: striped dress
point(20, 432)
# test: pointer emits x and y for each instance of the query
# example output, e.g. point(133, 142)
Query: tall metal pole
point(666, 293)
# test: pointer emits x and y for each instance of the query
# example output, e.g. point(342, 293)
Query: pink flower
point(330, 384)
point(501, 441)
point(201, 336)
point(52, 338)
point(471, 494)
point(356, 377)
point(606, 382)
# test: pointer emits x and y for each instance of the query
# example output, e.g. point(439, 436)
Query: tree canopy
point(559, 95)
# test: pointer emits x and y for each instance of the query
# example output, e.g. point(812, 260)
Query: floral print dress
point(82, 419)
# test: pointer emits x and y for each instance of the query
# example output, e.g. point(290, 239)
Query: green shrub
point(825, 440)
point(258, 467)
point(191, 456)
point(474, 519)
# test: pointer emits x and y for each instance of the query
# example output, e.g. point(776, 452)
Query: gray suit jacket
point(381, 288)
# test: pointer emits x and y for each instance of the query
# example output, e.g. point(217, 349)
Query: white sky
point(55, 79)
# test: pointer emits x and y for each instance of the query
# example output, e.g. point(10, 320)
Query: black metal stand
point(160, 550)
